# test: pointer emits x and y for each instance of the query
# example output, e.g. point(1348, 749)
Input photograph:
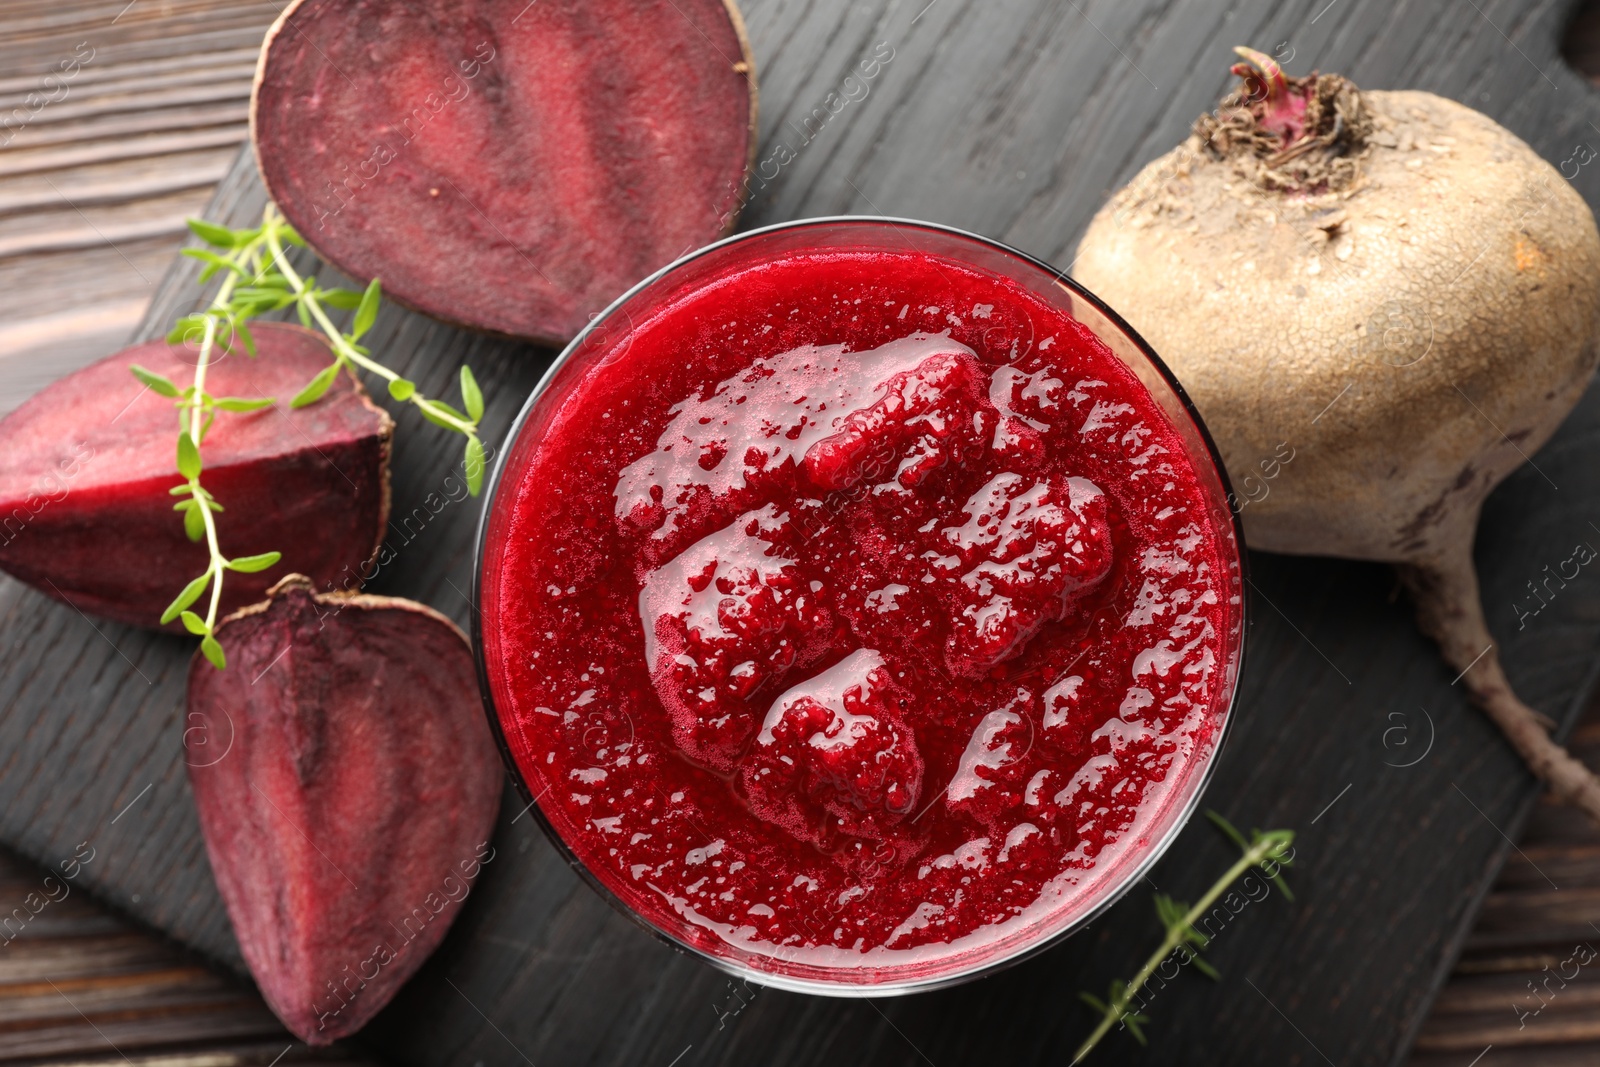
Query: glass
point(607, 339)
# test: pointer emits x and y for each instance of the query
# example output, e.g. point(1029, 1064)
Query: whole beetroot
point(86, 465)
point(1382, 303)
point(347, 787)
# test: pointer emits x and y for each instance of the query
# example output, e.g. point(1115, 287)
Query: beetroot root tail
point(1445, 593)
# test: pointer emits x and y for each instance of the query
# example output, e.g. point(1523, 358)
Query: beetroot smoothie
point(857, 614)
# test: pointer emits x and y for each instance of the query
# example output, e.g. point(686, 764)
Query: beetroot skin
point(85, 466)
point(507, 166)
point(347, 786)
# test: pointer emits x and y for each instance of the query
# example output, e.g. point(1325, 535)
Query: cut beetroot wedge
point(347, 786)
point(507, 166)
point(85, 466)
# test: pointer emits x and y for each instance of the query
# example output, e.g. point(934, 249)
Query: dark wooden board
point(1014, 119)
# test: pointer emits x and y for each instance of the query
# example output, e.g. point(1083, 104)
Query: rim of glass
point(843, 989)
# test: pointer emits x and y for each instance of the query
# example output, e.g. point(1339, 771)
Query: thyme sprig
point(1267, 850)
point(258, 278)
point(311, 304)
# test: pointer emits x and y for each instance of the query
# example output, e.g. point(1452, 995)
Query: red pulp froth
point(857, 609)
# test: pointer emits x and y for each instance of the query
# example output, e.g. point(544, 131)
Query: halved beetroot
point(347, 786)
point(85, 466)
point(506, 165)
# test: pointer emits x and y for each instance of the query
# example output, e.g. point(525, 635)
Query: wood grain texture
point(108, 156)
point(1014, 119)
point(1528, 979)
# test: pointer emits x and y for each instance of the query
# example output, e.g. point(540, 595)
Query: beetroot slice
point(347, 786)
point(503, 165)
point(85, 466)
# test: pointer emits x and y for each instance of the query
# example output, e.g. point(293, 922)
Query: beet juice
point(854, 611)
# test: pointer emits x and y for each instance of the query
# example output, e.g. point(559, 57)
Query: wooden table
point(96, 183)
point(1013, 119)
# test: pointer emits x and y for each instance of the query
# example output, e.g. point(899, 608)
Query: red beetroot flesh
point(85, 466)
point(347, 787)
point(867, 611)
point(504, 165)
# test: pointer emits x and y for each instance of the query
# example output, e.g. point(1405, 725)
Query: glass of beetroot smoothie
point(860, 605)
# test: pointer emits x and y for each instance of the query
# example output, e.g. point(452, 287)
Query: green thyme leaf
point(1228, 828)
point(474, 466)
point(245, 338)
point(471, 395)
point(1277, 879)
point(239, 403)
point(159, 383)
point(211, 233)
point(252, 564)
point(194, 623)
point(251, 306)
point(441, 408)
point(205, 255)
point(318, 385)
point(190, 594)
point(194, 524)
point(213, 652)
point(343, 299)
point(188, 456)
point(189, 328)
point(367, 312)
point(401, 389)
point(428, 412)
point(304, 312)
